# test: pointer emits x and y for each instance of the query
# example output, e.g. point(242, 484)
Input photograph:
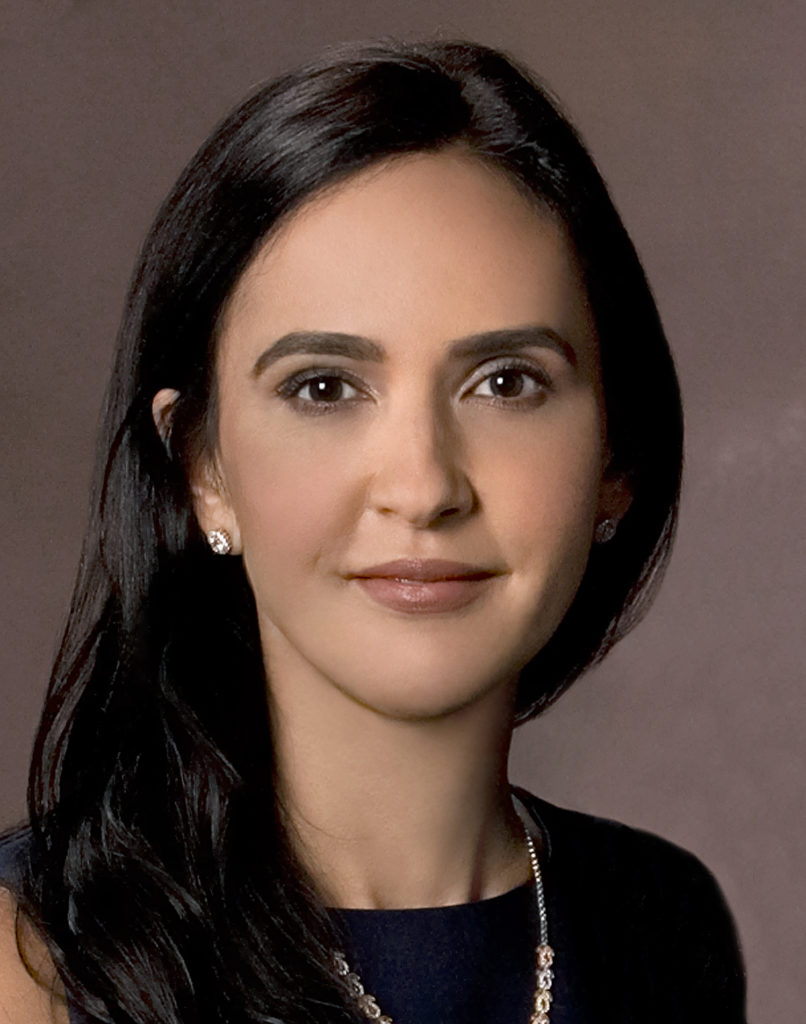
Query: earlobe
point(214, 512)
point(615, 498)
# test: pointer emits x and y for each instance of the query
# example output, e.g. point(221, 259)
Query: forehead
point(426, 246)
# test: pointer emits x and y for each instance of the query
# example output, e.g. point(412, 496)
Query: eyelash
point(291, 388)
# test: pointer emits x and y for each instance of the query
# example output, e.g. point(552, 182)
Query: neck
point(389, 813)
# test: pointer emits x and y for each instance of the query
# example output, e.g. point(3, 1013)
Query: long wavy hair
point(160, 871)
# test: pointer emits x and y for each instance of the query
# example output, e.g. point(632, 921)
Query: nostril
point(419, 477)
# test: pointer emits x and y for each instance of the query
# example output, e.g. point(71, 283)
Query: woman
point(392, 455)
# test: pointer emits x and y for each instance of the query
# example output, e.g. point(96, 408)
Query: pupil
point(507, 383)
point(326, 389)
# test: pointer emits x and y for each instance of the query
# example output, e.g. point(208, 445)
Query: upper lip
point(424, 571)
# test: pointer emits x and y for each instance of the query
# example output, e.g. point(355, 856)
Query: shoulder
point(633, 857)
point(28, 981)
point(641, 899)
point(14, 847)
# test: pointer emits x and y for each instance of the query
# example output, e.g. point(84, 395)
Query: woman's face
point(411, 436)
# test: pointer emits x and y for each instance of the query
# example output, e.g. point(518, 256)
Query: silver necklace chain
point(544, 956)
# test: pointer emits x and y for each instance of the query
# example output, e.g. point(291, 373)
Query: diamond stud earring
point(220, 541)
point(605, 531)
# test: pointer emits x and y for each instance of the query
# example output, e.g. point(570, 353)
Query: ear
point(162, 412)
point(210, 498)
point(615, 498)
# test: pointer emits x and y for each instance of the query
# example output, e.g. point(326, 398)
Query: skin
point(30, 993)
point(393, 728)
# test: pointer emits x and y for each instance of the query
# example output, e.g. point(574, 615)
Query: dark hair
point(160, 868)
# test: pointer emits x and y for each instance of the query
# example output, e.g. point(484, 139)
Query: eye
point(510, 382)
point(318, 390)
point(326, 389)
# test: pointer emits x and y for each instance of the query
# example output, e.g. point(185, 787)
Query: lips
point(417, 570)
point(420, 586)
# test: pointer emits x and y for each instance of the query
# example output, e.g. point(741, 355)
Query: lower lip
point(419, 597)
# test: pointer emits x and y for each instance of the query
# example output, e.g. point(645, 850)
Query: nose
point(418, 475)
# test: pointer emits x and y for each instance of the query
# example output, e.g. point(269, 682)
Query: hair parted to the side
point(160, 867)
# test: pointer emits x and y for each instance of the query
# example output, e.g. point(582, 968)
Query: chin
point(423, 692)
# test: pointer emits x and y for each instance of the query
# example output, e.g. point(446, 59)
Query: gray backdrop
point(695, 112)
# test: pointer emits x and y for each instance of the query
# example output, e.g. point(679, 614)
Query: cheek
point(290, 497)
point(544, 485)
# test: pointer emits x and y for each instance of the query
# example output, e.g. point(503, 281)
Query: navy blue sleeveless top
point(471, 964)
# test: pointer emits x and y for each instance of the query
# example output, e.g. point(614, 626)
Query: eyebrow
point(484, 345)
point(509, 339)
point(320, 343)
